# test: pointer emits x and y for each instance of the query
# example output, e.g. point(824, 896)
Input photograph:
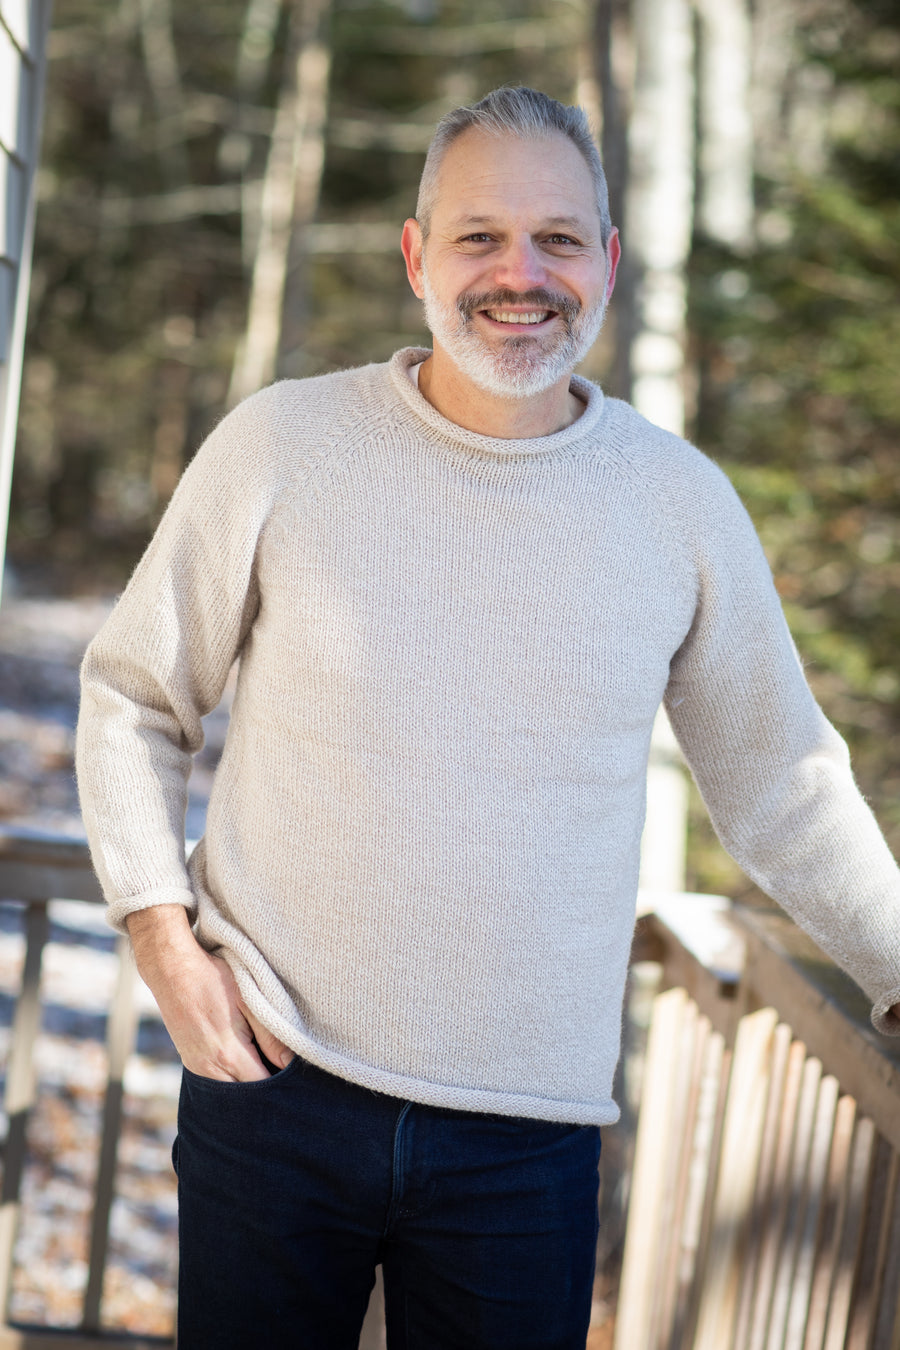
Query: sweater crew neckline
point(558, 443)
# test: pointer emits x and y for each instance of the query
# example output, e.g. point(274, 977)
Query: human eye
point(562, 241)
point(477, 237)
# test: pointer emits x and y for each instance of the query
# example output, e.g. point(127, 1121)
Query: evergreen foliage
point(142, 262)
point(799, 394)
point(140, 271)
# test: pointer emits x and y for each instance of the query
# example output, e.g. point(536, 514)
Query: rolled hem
point(883, 1019)
point(603, 1111)
point(118, 910)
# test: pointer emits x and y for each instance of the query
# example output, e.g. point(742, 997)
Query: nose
point(520, 266)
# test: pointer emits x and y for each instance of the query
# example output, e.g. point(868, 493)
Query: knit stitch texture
point(421, 854)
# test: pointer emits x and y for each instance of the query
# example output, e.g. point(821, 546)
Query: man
point(459, 586)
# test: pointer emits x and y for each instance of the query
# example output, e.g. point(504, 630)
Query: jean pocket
point(232, 1085)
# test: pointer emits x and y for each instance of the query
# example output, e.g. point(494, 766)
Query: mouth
point(510, 318)
point(527, 314)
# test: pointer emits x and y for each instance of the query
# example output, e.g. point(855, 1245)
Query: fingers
point(202, 1010)
point(211, 1027)
point(275, 1051)
point(231, 1060)
point(239, 1057)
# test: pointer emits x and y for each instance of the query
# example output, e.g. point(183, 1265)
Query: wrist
point(161, 938)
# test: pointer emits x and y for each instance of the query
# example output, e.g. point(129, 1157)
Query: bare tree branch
point(290, 193)
point(165, 82)
point(774, 23)
point(254, 58)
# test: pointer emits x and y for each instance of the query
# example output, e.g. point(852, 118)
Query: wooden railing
point(36, 869)
point(765, 1202)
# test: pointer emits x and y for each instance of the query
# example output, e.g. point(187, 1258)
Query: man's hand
point(198, 998)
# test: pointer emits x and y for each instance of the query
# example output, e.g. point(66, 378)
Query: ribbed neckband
point(561, 442)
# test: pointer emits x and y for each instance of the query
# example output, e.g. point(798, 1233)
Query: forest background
point(220, 197)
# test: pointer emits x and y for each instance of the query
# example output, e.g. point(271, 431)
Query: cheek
point(453, 275)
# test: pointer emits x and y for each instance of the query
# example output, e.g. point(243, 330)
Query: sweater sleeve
point(160, 663)
point(774, 774)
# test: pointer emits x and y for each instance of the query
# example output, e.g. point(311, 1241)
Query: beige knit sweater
point(421, 854)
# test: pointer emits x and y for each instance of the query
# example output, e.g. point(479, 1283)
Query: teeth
point(504, 316)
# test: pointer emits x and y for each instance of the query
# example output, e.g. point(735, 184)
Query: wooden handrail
point(765, 1202)
point(36, 867)
point(767, 961)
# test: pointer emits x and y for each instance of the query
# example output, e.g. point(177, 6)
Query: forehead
point(483, 176)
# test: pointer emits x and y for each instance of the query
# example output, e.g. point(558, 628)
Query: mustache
point(470, 302)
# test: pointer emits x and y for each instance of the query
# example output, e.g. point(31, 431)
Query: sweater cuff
point(117, 911)
point(883, 1019)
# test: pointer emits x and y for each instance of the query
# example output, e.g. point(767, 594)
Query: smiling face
point(513, 273)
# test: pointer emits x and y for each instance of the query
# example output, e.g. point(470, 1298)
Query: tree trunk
point(655, 161)
point(726, 131)
point(614, 61)
point(165, 83)
point(290, 194)
point(659, 204)
point(254, 58)
point(773, 55)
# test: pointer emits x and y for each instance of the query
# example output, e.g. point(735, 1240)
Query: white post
point(726, 130)
point(659, 204)
point(23, 42)
point(664, 842)
point(658, 220)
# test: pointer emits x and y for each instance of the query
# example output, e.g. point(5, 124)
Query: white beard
point(519, 366)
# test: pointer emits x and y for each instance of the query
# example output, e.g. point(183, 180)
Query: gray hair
point(518, 112)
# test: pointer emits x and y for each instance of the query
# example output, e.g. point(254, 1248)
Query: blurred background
point(219, 200)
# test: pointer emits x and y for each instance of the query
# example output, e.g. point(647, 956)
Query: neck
point(459, 400)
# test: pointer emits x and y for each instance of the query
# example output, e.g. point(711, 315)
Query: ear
point(613, 254)
point(412, 245)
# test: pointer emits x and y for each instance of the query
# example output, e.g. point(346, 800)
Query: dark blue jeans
point(293, 1189)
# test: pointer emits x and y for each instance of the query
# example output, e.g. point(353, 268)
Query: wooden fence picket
point(887, 1323)
point(858, 1183)
point(795, 1204)
point(768, 1218)
point(809, 1229)
point(765, 1182)
point(656, 1144)
point(776, 1213)
point(873, 1253)
point(738, 1161)
point(834, 1203)
point(700, 1151)
point(695, 1032)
